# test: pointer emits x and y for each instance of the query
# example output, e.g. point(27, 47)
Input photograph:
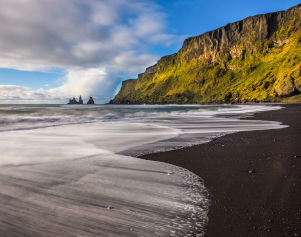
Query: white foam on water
point(69, 171)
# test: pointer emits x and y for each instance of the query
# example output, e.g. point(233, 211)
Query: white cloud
point(94, 41)
point(21, 94)
point(129, 61)
point(149, 24)
point(92, 81)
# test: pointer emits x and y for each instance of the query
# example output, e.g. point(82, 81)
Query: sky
point(51, 50)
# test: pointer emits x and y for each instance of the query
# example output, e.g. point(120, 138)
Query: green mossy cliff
point(256, 59)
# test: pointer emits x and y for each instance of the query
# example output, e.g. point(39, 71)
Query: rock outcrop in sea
point(80, 101)
point(74, 101)
point(90, 101)
point(253, 60)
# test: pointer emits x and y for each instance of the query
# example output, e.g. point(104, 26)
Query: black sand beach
point(254, 178)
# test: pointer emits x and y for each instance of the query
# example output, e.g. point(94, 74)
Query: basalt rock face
point(256, 59)
point(73, 101)
point(91, 101)
point(126, 95)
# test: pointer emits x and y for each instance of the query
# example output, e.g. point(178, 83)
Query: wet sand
point(94, 196)
point(254, 178)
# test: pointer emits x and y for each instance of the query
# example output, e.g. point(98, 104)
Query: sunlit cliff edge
point(253, 60)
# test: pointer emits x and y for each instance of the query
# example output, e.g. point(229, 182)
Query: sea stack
point(73, 101)
point(80, 101)
point(90, 101)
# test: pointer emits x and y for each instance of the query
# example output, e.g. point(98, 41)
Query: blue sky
point(89, 49)
point(193, 17)
point(32, 79)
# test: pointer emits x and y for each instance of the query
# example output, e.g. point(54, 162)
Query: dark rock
point(90, 101)
point(151, 69)
point(80, 101)
point(73, 101)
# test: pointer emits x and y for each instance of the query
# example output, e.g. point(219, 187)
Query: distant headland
point(253, 60)
point(73, 101)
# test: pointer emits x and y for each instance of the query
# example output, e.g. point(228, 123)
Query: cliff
point(256, 59)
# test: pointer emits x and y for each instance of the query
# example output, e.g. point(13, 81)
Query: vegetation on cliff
point(256, 59)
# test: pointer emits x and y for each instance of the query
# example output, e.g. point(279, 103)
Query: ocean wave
point(78, 162)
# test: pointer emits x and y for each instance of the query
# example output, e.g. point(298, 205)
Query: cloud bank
point(96, 42)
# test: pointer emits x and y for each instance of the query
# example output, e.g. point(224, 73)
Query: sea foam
point(70, 170)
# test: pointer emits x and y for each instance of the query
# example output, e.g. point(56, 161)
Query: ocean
point(72, 170)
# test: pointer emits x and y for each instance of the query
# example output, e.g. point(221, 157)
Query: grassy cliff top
point(253, 60)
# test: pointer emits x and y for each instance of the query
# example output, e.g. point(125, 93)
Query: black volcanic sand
point(254, 178)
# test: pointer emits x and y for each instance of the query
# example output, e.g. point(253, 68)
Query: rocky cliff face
point(256, 59)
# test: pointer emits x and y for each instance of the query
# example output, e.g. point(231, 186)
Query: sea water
point(70, 170)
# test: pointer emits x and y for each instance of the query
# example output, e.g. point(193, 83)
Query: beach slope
point(254, 178)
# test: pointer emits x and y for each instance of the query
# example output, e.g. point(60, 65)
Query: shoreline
point(254, 178)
